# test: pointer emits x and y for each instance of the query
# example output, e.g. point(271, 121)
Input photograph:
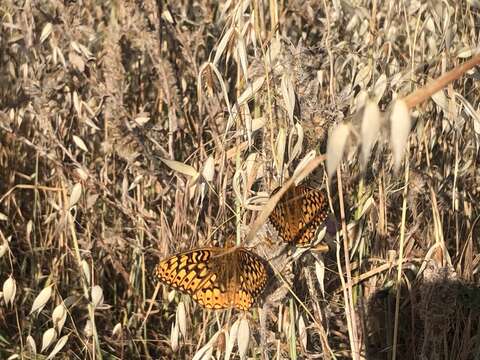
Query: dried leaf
point(237, 182)
point(77, 103)
point(206, 351)
point(247, 116)
point(272, 52)
point(243, 337)
point(304, 162)
point(48, 338)
point(117, 330)
point(97, 296)
point(320, 272)
point(231, 339)
point(180, 167)
point(29, 229)
point(85, 52)
point(58, 346)
point(31, 345)
point(295, 149)
point(224, 91)
point(142, 120)
point(75, 46)
point(79, 142)
point(380, 87)
point(370, 130)
point(88, 329)
point(208, 170)
point(182, 319)
point(171, 295)
point(86, 270)
point(250, 163)
point(41, 299)
point(258, 123)
point(302, 331)
point(465, 53)
point(280, 149)
point(223, 44)
point(400, 128)
point(440, 99)
point(362, 78)
point(335, 147)
point(75, 195)
point(135, 182)
point(469, 109)
point(82, 173)
point(167, 15)
point(59, 316)
point(59, 54)
point(76, 61)
point(9, 290)
point(366, 206)
point(361, 99)
point(251, 90)
point(174, 336)
point(288, 94)
point(46, 31)
point(242, 54)
point(3, 250)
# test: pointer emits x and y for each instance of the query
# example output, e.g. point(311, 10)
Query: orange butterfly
point(299, 213)
point(217, 278)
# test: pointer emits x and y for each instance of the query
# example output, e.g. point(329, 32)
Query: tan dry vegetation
point(132, 130)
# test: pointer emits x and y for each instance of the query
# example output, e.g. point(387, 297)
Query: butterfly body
point(217, 278)
point(299, 213)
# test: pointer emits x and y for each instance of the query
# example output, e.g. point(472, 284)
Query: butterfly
point(299, 213)
point(217, 278)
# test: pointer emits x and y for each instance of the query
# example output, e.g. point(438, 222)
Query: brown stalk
point(422, 94)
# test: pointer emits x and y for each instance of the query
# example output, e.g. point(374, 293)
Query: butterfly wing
point(214, 276)
point(283, 216)
point(253, 273)
point(299, 213)
point(187, 271)
point(215, 294)
point(315, 211)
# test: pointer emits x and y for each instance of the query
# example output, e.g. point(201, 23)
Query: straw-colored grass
point(133, 130)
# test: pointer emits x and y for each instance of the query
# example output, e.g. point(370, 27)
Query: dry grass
point(96, 100)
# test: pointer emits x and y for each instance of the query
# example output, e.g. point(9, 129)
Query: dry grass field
point(134, 130)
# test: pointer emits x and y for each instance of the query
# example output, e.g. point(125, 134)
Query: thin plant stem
point(400, 261)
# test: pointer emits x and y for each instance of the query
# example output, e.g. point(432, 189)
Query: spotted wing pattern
point(299, 213)
point(217, 278)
